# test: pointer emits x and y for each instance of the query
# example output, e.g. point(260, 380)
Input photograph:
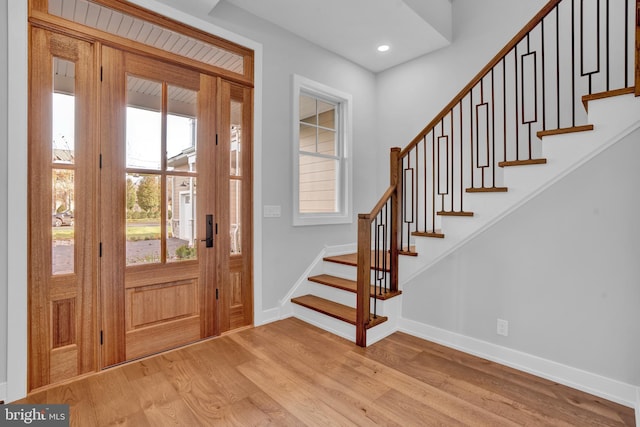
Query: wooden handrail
point(383, 201)
point(496, 59)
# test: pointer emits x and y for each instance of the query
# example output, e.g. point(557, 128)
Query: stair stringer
point(613, 119)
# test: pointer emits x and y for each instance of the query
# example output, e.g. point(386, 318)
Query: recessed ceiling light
point(383, 48)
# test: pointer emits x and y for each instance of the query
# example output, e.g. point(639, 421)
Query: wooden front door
point(158, 206)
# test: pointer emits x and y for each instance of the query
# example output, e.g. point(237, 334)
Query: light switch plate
point(271, 211)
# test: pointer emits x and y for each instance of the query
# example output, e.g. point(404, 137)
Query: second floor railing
point(570, 51)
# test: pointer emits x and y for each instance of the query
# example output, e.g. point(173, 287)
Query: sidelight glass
point(63, 174)
point(63, 112)
point(62, 221)
point(236, 139)
point(235, 215)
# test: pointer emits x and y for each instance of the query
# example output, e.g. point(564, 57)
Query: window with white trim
point(321, 140)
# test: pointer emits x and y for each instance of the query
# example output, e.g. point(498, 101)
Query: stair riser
point(339, 270)
point(327, 323)
point(333, 294)
point(349, 298)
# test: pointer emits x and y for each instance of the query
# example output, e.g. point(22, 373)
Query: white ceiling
point(352, 28)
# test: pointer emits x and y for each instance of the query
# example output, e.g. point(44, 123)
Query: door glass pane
point(62, 222)
point(181, 215)
point(236, 138)
point(181, 129)
point(235, 209)
point(143, 219)
point(144, 123)
point(63, 111)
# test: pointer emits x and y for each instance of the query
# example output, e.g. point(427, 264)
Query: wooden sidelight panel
point(235, 192)
point(62, 238)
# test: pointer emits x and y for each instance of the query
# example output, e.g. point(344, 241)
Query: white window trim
point(343, 216)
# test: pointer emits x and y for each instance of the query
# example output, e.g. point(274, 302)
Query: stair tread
point(334, 309)
point(352, 260)
point(487, 190)
point(349, 285)
point(583, 128)
point(454, 213)
point(438, 234)
point(522, 162)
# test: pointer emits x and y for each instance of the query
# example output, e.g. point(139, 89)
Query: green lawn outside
point(134, 232)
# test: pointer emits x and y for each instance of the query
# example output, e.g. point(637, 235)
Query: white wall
point(288, 250)
point(562, 269)
point(412, 94)
point(3, 192)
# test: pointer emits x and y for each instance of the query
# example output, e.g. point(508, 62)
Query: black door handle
point(209, 226)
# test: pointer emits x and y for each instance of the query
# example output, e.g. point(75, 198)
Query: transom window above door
point(125, 22)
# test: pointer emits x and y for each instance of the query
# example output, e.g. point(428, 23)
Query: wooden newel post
point(396, 219)
point(364, 279)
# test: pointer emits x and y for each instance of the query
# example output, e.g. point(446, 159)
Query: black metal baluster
point(433, 182)
point(544, 91)
point(504, 105)
point(493, 130)
point(626, 43)
point(558, 64)
point(471, 135)
point(573, 63)
point(424, 195)
point(607, 47)
point(461, 159)
point(453, 190)
point(515, 63)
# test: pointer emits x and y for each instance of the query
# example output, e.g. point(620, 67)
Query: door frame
point(17, 130)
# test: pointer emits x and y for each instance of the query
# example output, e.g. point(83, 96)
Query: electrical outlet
point(503, 327)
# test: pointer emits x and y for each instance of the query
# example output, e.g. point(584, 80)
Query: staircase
point(481, 158)
point(328, 298)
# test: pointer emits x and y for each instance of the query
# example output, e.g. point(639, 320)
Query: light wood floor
point(289, 373)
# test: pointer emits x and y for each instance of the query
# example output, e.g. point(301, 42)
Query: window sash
point(340, 178)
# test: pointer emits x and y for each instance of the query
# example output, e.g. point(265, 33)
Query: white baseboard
point(267, 316)
point(3, 392)
point(606, 388)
